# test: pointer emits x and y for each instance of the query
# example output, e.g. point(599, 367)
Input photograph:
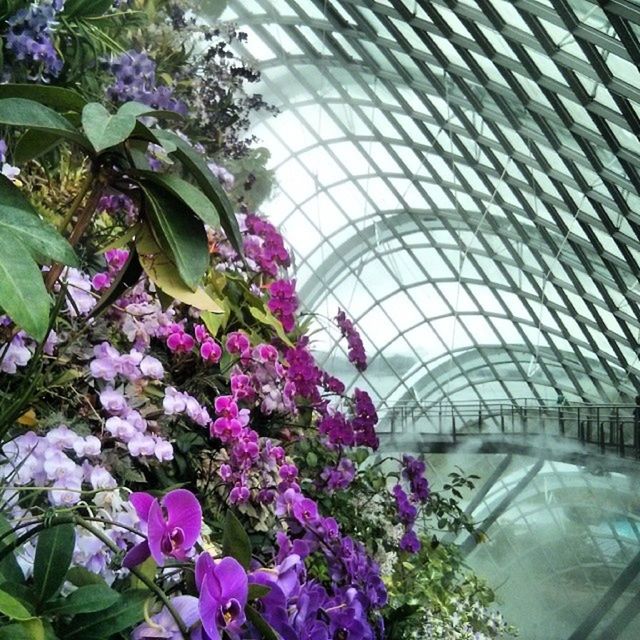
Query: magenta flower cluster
point(283, 302)
point(407, 505)
point(356, 353)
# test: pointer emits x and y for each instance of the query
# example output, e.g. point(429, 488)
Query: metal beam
point(622, 620)
point(470, 543)
point(621, 584)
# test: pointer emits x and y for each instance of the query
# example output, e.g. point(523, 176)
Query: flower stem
point(148, 582)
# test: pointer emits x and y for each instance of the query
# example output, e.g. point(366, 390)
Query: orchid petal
point(232, 579)
point(184, 511)
point(157, 529)
point(141, 501)
point(208, 607)
point(204, 566)
point(187, 608)
point(136, 555)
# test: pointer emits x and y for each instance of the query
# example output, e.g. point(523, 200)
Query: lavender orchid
point(173, 526)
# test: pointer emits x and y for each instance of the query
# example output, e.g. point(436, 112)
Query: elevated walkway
point(603, 435)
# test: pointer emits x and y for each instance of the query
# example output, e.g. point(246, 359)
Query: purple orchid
point(224, 589)
point(173, 526)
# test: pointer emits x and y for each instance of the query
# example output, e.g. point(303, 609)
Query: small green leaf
point(22, 292)
point(86, 8)
point(125, 613)
point(148, 568)
point(54, 551)
point(87, 599)
point(235, 541)
point(215, 321)
point(179, 233)
point(18, 112)
point(20, 219)
point(9, 568)
point(260, 623)
point(197, 167)
point(267, 318)
point(32, 144)
point(103, 129)
point(82, 577)
point(258, 591)
point(13, 608)
point(191, 196)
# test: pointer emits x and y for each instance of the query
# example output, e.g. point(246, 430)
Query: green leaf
point(13, 608)
point(9, 568)
point(28, 630)
point(57, 98)
point(32, 144)
point(18, 112)
point(137, 110)
point(267, 318)
point(258, 591)
point(215, 321)
point(197, 167)
point(87, 599)
point(19, 218)
point(235, 541)
point(179, 233)
point(86, 8)
point(103, 129)
point(82, 577)
point(54, 551)
point(148, 568)
point(22, 292)
point(260, 623)
point(128, 611)
point(164, 274)
point(192, 197)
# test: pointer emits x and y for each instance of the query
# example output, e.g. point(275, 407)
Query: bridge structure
point(606, 435)
point(603, 439)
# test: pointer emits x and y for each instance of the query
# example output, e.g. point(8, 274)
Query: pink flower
point(173, 526)
point(210, 351)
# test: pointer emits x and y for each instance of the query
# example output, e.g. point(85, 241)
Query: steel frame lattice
point(464, 177)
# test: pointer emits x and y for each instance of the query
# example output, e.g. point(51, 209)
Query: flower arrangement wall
point(174, 463)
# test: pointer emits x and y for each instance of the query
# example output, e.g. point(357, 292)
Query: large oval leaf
point(103, 129)
point(27, 630)
point(18, 112)
point(164, 274)
point(87, 599)
point(19, 218)
point(58, 98)
point(128, 611)
point(11, 607)
point(22, 292)
point(54, 551)
point(179, 233)
point(192, 197)
point(235, 541)
point(32, 144)
point(197, 167)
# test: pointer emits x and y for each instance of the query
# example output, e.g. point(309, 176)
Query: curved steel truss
point(464, 177)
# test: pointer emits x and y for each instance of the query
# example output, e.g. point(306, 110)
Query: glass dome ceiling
point(464, 178)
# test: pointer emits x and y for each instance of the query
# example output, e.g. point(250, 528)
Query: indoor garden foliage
point(174, 463)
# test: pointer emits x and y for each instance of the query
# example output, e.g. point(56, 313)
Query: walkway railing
point(610, 427)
